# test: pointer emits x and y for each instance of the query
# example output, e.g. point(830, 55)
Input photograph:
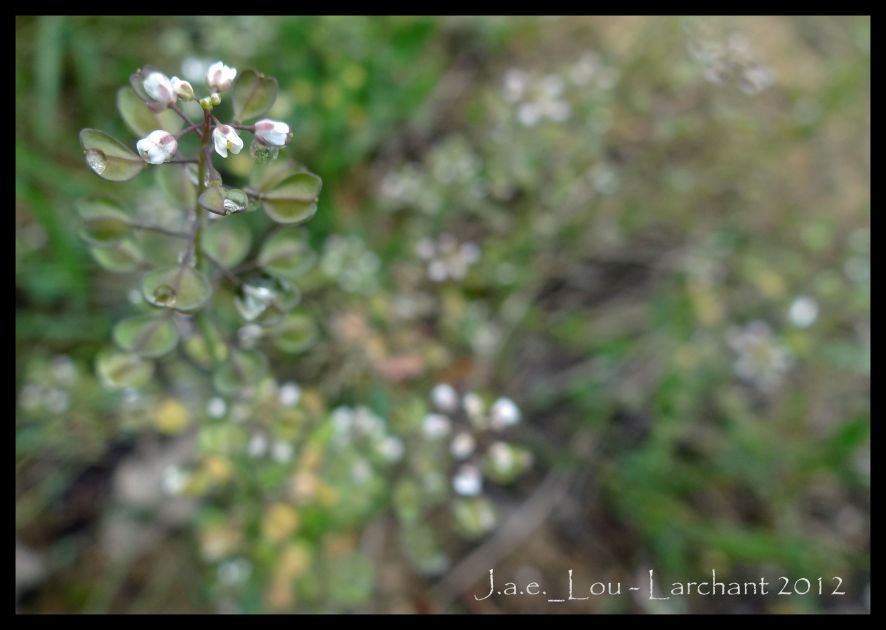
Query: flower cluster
point(446, 258)
point(760, 359)
point(732, 60)
point(161, 92)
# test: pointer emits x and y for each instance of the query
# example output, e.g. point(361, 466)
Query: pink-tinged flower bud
point(157, 147)
point(226, 139)
point(182, 89)
point(272, 132)
point(220, 77)
point(158, 86)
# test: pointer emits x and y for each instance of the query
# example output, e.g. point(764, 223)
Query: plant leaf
point(121, 370)
point(253, 94)
point(104, 221)
point(181, 288)
point(146, 335)
point(108, 157)
point(227, 241)
point(222, 200)
point(286, 254)
point(294, 199)
point(295, 333)
point(140, 118)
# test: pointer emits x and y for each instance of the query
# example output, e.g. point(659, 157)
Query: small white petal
point(157, 147)
point(444, 397)
point(436, 425)
point(182, 89)
point(225, 139)
point(463, 445)
point(272, 132)
point(159, 87)
point(220, 77)
point(468, 481)
point(504, 413)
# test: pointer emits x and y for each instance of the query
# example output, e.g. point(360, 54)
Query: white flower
point(216, 407)
point(444, 397)
point(257, 446)
point(272, 132)
point(473, 405)
point(504, 413)
point(803, 312)
point(159, 87)
point(220, 77)
point(463, 445)
point(282, 452)
point(468, 481)
point(436, 425)
point(182, 89)
point(289, 394)
point(391, 449)
point(157, 147)
point(226, 139)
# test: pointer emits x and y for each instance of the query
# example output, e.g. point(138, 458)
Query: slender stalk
point(185, 117)
point(200, 216)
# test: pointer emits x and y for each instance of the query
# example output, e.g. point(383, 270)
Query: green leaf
point(222, 200)
point(473, 516)
point(253, 94)
point(109, 158)
point(286, 254)
point(122, 257)
point(295, 333)
point(266, 176)
point(176, 185)
point(181, 288)
point(227, 241)
point(104, 221)
point(244, 368)
point(206, 347)
point(140, 118)
point(503, 463)
point(294, 199)
point(146, 335)
point(120, 370)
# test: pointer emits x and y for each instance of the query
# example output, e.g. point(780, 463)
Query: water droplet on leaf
point(165, 295)
point(96, 161)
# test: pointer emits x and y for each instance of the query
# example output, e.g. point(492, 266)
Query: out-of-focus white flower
point(391, 449)
point(502, 455)
point(220, 77)
point(463, 445)
point(289, 394)
point(444, 397)
point(174, 480)
point(234, 571)
point(473, 404)
point(157, 147)
point(257, 446)
point(272, 132)
point(803, 311)
point(282, 452)
point(504, 413)
point(158, 86)
point(760, 358)
point(216, 407)
point(183, 89)
point(468, 481)
point(361, 472)
point(226, 139)
point(436, 425)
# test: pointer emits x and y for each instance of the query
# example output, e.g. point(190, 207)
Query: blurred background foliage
point(651, 233)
